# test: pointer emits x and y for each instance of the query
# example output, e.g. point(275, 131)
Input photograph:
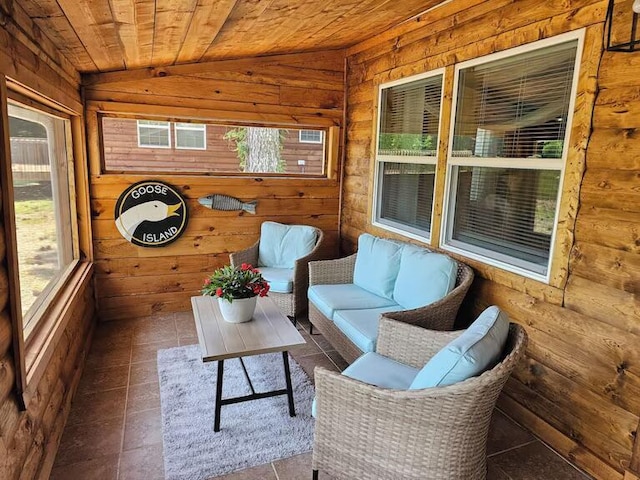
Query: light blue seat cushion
point(329, 298)
point(361, 326)
point(281, 245)
point(280, 279)
point(377, 265)
point(477, 349)
point(380, 371)
point(424, 277)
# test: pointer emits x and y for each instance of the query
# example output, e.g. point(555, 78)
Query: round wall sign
point(151, 214)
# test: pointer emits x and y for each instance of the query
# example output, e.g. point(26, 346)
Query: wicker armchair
point(440, 433)
point(439, 315)
point(292, 304)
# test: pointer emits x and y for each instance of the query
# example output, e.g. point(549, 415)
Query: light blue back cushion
point(281, 245)
point(473, 352)
point(377, 265)
point(424, 277)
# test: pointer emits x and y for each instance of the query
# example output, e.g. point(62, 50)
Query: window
point(191, 136)
point(507, 154)
point(42, 206)
point(406, 155)
point(153, 134)
point(310, 136)
point(209, 148)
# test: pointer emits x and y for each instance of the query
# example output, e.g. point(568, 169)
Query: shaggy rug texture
point(251, 433)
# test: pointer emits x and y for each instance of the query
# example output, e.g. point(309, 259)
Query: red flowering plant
point(231, 282)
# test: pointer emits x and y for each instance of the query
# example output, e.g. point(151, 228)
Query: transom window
point(44, 222)
point(154, 134)
point(406, 154)
point(310, 136)
point(191, 136)
point(507, 153)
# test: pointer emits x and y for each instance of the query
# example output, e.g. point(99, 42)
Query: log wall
point(299, 91)
point(579, 387)
point(29, 438)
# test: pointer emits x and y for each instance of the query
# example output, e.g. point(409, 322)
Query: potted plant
point(237, 289)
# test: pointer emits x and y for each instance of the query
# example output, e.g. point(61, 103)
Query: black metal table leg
point(216, 423)
point(246, 375)
point(287, 374)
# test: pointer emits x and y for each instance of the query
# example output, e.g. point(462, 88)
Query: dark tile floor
point(114, 429)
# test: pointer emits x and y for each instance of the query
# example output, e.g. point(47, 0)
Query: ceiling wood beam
point(172, 19)
point(330, 60)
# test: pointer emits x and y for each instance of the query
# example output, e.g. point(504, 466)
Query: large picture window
point(406, 154)
point(507, 154)
point(131, 145)
point(42, 206)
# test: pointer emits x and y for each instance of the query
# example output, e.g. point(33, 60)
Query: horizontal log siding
point(299, 91)
point(579, 387)
point(29, 438)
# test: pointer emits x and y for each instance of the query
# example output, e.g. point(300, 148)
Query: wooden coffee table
point(269, 331)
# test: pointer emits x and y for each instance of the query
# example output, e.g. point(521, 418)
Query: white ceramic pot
point(239, 311)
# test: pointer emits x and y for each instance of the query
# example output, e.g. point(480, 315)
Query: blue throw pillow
point(424, 277)
point(281, 245)
point(377, 265)
point(477, 349)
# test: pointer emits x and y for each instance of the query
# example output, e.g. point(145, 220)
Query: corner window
point(153, 134)
point(310, 136)
point(191, 136)
point(131, 145)
point(406, 154)
point(44, 222)
point(507, 153)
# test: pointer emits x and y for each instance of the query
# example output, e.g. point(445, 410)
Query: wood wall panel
point(300, 90)
point(29, 438)
point(579, 384)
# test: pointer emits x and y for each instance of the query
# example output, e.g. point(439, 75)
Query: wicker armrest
point(248, 255)
point(410, 344)
point(332, 272)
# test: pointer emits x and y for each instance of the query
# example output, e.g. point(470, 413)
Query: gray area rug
point(251, 433)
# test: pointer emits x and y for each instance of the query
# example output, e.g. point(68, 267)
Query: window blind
point(507, 212)
point(410, 115)
point(516, 107)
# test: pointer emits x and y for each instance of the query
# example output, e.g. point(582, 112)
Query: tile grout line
point(513, 448)
point(126, 404)
point(275, 472)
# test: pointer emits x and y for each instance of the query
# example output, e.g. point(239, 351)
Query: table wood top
point(269, 331)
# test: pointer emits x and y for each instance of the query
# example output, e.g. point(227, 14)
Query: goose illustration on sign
point(151, 214)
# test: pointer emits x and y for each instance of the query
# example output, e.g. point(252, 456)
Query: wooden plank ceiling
point(100, 35)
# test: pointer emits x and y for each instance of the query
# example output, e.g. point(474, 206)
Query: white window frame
point(193, 127)
point(167, 127)
point(390, 225)
point(487, 256)
point(317, 142)
point(67, 227)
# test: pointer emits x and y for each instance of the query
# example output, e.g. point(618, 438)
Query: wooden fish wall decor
point(225, 202)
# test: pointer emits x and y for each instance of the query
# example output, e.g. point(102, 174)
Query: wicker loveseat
point(399, 280)
point(370, 431)
point(282, 254)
